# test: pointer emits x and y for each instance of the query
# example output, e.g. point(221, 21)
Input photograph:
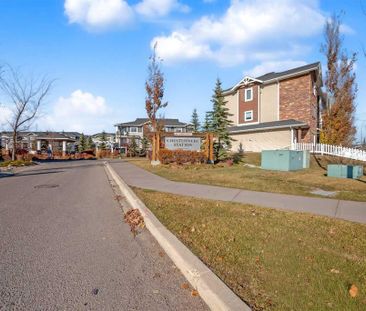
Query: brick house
point(273, 110)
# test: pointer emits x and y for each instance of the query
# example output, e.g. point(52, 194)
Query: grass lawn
point(273, 260)
point(253, 178)
point(16, 163)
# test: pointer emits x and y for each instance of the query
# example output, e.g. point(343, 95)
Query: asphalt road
point(64, 246)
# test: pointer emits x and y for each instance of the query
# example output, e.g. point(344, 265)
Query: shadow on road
point(31, 173)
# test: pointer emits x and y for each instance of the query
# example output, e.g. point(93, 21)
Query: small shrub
point(181, 156)
point(237, 157)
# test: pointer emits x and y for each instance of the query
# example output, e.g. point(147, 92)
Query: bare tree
point(23, 96)
point(154, 89)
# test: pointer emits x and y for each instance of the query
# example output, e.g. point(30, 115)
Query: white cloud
point(158, 8)
point(347, 30)
point(104, 14)
point(5, 114)
point(245, 29)
point(81, 111)
point(98, 14)
point(274, 66)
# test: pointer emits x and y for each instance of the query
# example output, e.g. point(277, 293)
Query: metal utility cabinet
point(345, 171)
point(284, 160)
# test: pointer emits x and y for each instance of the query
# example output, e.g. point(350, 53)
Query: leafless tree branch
point(25, 96)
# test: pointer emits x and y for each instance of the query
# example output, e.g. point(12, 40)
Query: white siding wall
point(258, 141)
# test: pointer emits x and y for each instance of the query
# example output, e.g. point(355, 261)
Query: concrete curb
point(211, 289)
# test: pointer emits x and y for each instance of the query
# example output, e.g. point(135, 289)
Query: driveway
point(64, 246)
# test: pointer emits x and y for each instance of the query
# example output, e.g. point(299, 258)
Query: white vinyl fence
point(339, 151)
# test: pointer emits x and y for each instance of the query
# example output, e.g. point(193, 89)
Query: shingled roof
point(267, 126)
point(42, 135)
point(277, 75)
point(283, 74)
point(142, 121)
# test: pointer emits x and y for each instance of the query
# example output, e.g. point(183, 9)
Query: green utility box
point(306, 159)
point(282, 160)
point(345, 171)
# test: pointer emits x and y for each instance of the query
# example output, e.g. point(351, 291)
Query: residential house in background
point(37, 141)
point(273, 110)
point(73, 135)
point(109, 142)
point(141, 126)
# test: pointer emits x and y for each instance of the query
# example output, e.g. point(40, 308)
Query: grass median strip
point(273, 260)
point(302, 182)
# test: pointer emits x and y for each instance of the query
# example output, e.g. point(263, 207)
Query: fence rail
point(339, 151)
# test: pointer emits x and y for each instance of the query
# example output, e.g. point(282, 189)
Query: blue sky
point(98, 51)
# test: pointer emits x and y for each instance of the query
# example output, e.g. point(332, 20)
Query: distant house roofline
point(271, 77)
point(143, 121)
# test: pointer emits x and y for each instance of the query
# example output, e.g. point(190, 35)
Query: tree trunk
point(13, 153)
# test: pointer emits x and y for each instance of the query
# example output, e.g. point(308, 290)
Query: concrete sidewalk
point(138, 177)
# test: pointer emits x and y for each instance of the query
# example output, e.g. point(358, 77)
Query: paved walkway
point(138, 177)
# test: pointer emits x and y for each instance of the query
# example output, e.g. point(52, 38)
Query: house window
point(248, 115)
point(248, 94)
point(133, 129)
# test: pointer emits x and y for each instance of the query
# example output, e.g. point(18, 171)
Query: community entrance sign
point(195, 142)
point(183, 143)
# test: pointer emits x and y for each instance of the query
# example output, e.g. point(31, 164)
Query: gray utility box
point(283, 160)
point(345, 171)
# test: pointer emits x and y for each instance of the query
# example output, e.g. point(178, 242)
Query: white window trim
point(245, 115)
point(245, 94)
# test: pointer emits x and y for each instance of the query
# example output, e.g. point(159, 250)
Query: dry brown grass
point(273, 260)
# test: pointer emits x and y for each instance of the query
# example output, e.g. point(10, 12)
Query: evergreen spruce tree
point(207, 124)
point(103, 139)
point(89, 143)
point(82, 143)
point(195, 121)
point(144, 146)
point(133, 149)
point(220, 123)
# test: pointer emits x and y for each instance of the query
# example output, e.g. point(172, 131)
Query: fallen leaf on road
point(134, 218)
point(185, 286)
point(118, 197)
point(353, 291)
point(194, 293)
